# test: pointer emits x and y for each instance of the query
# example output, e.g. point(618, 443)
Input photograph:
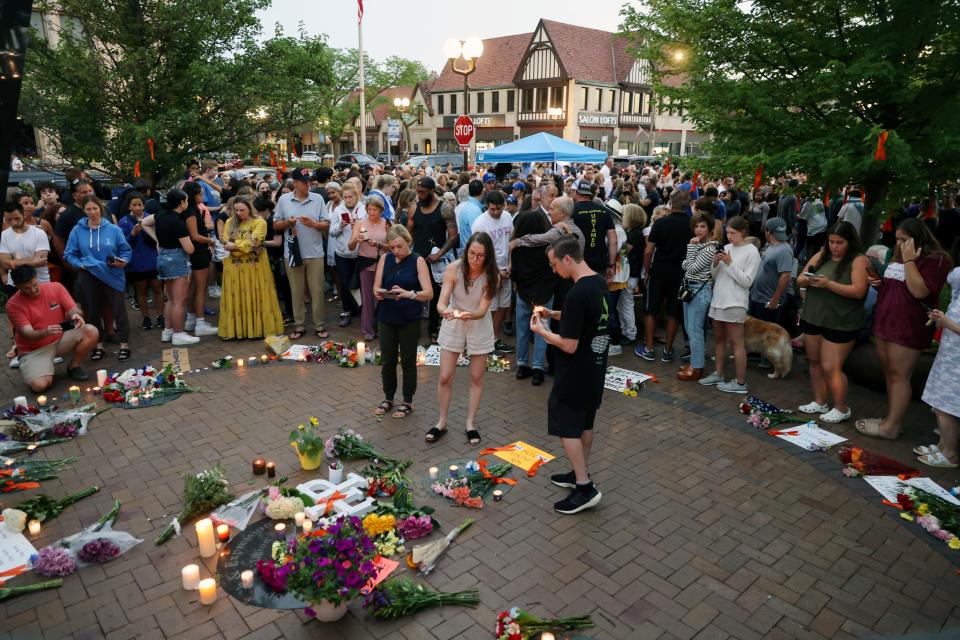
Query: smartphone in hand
point(67, 324)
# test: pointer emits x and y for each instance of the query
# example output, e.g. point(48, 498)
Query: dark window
point(453, 104)
point(420, 115)
point(541, 99)
point(556, 97)
point(613, 100)
point(511, 104)
point(481, 108)
point(440, 104)
point(495, 102)
point(586, 100)
point(599, 99)
point(527, 100)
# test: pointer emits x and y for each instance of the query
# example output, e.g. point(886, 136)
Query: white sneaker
point(835, 415)
point(203, 329)
point(712, 379)
point(181, 339)
point(15, 362)
point(614, 350)
point(166, 335)
point(190, 323)
point(732, 387)
point(813, 407)
point(58, 360)
point(213, 292)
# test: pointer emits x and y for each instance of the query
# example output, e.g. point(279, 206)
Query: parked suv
point(361, 159)
point(438, 160)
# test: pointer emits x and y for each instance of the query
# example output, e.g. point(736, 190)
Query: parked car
point(361, 159)
point(623, 161)
point(438, 160)
point(310, 156)
point(384, 158)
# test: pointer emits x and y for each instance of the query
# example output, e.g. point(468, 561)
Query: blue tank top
point(403, 275)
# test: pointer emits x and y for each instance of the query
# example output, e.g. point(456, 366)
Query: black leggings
point(399, 339)
point(433, 323)
point(94, 297)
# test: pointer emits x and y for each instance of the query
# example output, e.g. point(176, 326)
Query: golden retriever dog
point(772, 341)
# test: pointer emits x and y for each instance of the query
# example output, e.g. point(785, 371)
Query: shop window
point(481, 108)
point(511, 101)
point(440, 104)
point(495, 102)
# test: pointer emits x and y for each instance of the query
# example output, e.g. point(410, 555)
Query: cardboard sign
point(296, 352)
point(616, 379)
point(523, 455)
point(808, 436)
point(15, 552)
point(385, 566)
point(179, 358)
point(890, 486)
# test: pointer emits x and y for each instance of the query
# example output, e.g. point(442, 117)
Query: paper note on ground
point(889, 487)
point(616, 379)
point(179, 358)
point(808, 436)
point(295, 351)
point(15, 551)
point(384, 566)
point(523, 455)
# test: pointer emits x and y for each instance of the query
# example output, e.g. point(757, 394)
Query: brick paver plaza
point(707, 529)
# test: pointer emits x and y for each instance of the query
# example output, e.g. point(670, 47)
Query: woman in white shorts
point(469, 285)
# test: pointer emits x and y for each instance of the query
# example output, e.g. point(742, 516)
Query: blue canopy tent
point(541, 147)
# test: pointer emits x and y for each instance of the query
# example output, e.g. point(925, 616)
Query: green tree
point(808, 86)
point(179, 72)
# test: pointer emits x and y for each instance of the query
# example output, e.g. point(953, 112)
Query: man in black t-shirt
point(580, 368)
point(596, 224)
point(68, 219)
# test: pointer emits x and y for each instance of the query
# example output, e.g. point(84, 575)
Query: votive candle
point(497, 495)
point(240, 363)
point(298, 518)
point(190, 575)
point(454, 470)
point(34, 527)
point(307, 525)
point(41, 401)
point(208, 591)
point(271, 470)
point(32, 449)
point(205, 538)
point(264, 359)
point(434, 472)
point(361, 353)
point(281, 530)
point(223, 533)
point(20, 401)
point(75, 393)
point(546, 635)
point(101, 377)
point(252, 360)
point(259, 467)
point(246, 578)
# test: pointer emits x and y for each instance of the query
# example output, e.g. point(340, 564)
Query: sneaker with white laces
point(814, 407)
point(732, 386)
point(614, 350)
point(710, 380)
point(166, 335)
point(835, 415)
point(201, 328)
point(213, 292)
point(182, 339)
point(190, 322)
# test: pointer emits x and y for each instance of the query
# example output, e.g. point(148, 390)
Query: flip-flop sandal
point(937, 460)
point(871, 430)
point(403, 410)
point(382, 408)
point(123, 354)
point(296, 334)
point(435, 434)
point(926, 450)
point(97, 354)
point(323, 334)
point(473, 437)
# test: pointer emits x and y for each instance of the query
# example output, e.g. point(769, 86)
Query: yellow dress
point(248, 304)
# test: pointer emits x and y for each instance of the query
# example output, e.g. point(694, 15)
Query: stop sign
point(463, 130)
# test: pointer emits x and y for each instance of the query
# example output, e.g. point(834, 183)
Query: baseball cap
point(777, 227)
point(489, 177)
point(519, 186)
point(583, 187)
point(302, 174)
point(511, 200)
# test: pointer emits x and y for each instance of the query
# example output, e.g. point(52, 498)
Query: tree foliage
point(808, 86)
point(179, 72)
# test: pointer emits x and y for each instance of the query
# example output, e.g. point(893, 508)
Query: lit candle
point(20, 401)
point(208, 591)
point(75, 393)
point(361, 353)
point(497, 495)
point(32, 449)
point(421, 358)
point(240, 362)
point(246, 577)
point(223, 533)
point(454, 469)
point(271, 470)
point(280, 530)
point(34, 527)
point(434, 472)
point(298, 518)
point(41, 401)
point(190, 575)
point(307, 525)
point(206, 538)
point(264, 359)
point(546, 635)
point(259, 467)
point(101, 377)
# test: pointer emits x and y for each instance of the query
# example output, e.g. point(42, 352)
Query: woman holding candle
point(248, 304)
point(401, 285)
point(469, 285)
point(368, 238)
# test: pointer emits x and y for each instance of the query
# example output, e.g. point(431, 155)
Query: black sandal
point(403, 410)
point(123, 354)
point(97, 354)
point(473, 437)
point(435, 434)
point(382, 408)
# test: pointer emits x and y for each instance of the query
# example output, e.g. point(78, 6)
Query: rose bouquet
point(517, 624)
point(384, 479)
point(764, 415)
point(862, 462)
point(399, 597)
point(144, 383)
point(201, 493)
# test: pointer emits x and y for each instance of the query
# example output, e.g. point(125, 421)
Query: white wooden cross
point(354, 487)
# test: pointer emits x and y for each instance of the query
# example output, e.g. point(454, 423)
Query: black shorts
point(140, 276)
point(663, 289)
point(200, 259)
point(564, 421)
point(830, 335)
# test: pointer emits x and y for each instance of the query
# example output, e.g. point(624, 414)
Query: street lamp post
point(402, 104)
point(467, 51)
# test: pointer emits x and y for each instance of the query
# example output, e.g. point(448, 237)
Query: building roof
point(496, 67)
point(586, 54)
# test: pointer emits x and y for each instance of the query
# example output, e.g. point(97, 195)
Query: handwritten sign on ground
point(523, 455)
point(296, 352)
point(616, 379)
point(889, 487)
point(808, 436)
point(15, 551)
point(179, 358)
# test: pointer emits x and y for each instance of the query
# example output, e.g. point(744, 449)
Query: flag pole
point(363, 102)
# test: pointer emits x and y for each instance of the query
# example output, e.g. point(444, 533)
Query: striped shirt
point(699, 260)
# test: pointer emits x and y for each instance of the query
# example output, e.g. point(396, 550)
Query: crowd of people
point(484, 255)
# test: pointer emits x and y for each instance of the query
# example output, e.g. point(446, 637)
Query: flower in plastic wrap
point(53, 562)
point(414, 527)
point(98, 551)
point(389, 544)
point(284, 508)
point(16, 520)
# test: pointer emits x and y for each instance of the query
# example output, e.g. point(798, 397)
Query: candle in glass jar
point(264, 359)
point(546, 635)
point(271, 470)
point(208, 591)
point(205, 538)
point(34, 527)
point(223, 533)
point(361, 353)
point(434, 472)
point(20, 401)
point(32, 449)
point(454, 470)
point(246, 578)
point(280, 530)
point(41, 401)
point(298, 518)
point(190, 575)
point(75, 393)
point(259, 466)
point(101, 377)
point(240, 363)
point(497, 495)
point(307, 525)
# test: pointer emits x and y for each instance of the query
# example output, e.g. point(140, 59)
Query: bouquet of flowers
point(764, 415)
point(45, 508)
point(517, 624)
point(95, 544)
point(385, 479)
point(469, 489)
point(144, 383)
point(201, 493)
point(411, 522)
point(424, 557)
point(862, 462)
point(225, 362)
point(496, 364)
point(389, 544)
point(939, 517)
point(43, 427)
point(21, 475)
point(347, 444)
point(399, 597)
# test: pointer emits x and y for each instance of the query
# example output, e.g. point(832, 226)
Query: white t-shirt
point(26, 245)
point(607, 181)
point(499, 231)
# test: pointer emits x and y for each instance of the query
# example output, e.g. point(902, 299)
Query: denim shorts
point(172, 263)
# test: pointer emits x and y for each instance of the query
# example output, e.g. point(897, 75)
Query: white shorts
point(471, 337)
point(502, 298)
point(734, 315)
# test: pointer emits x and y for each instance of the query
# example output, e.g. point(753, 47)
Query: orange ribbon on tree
point(757, 177)
point(150, 147)
point(136, 169)
point(273, 158)
point(329, 501)
point(667, 168)
point(826, 197)
point(881, 152)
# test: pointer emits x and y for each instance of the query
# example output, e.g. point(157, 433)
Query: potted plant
point(329, 569)
point(307, 444)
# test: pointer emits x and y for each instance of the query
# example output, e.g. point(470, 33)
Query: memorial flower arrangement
point(281, 507)
point(862, 462)
point(347, 444)
point(424, 557)
point(44, 427)
point(202, 493)
point(469, 489)
point(764, 415)
point(375, 524)
point(22, 475)
point(95, 544)
point(496, 364)
point(384, 479)
point(631, 389)
point(399, 597)
point(144, 383)
point(389, 544)
point(517, 624)
point(939, 517)
point(43, 507)
point(305, 438)
point(411, 522)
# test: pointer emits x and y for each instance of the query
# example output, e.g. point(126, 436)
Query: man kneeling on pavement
point(47, 323)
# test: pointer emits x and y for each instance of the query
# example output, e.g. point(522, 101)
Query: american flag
point(359, 10)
